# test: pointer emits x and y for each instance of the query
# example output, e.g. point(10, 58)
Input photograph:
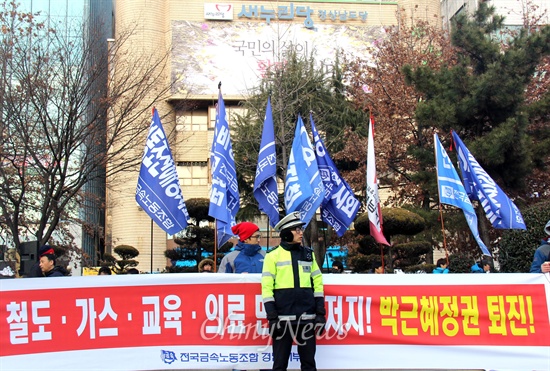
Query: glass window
point(230, 112)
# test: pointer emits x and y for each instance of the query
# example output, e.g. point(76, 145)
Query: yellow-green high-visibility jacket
point(292, 284)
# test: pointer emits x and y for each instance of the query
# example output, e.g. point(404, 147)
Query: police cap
point(290, 221)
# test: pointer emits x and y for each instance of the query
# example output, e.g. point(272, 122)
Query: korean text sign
point(217, 321)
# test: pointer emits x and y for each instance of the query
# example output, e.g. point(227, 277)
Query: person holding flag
point(158, 190)
point(265, 183)
point(452, 192)
point(224, 196)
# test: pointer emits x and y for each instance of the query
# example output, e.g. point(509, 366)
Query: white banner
point(216, 321)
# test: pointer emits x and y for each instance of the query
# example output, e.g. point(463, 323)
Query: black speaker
point(29, 250)
point(25, 267)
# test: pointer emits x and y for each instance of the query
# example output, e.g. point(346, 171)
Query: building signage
point(218, 11)
point(289, 12)
point(240, 53)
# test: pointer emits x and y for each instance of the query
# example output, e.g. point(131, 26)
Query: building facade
point(78, 20)
point(512, 10)
point(233, 43)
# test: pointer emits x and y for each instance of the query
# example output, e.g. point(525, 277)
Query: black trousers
point(304, 336)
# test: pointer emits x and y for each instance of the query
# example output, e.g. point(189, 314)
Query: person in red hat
point(47, 264)
point(36, 271)
point(248, 256)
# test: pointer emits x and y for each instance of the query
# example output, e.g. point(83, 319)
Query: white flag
point(373, 201)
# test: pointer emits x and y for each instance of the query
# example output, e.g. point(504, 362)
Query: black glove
point(276, 328)
point(320, 322)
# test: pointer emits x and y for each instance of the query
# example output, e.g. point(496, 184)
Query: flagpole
point(215, 243)
point(152, 112)
point(151, 245)
point(325, 242)
point(443, 232)
point(267, 241)
point(382, 257)
point(216, 220)
point(440, 208)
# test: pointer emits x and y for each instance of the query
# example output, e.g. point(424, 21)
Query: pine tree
point(379, 86)
point(482, 97)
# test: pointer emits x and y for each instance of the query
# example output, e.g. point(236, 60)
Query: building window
point(230, 111)
point(192, 163)
point(193, 173)
point(192, 121)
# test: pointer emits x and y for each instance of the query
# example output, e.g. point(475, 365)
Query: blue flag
point(304, 190)
point(224, 196)
point(265, 184)
point(339, 206)
point(158, 189)
point(452, 192)
point(499, 209)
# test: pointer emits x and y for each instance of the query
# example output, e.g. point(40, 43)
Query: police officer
point(292, 293)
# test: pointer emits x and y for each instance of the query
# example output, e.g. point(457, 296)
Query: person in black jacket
point(47, 264)
point(35, 270)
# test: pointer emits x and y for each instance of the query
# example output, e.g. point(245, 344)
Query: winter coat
point(477, 269)
point(246, 258)
point(292, 284)
point(541, 255)
point(57, 272)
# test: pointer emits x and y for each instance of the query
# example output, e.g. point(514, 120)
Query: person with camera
point(293, 296)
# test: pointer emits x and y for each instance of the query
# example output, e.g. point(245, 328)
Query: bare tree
point(70, 114)
point(381, 89)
